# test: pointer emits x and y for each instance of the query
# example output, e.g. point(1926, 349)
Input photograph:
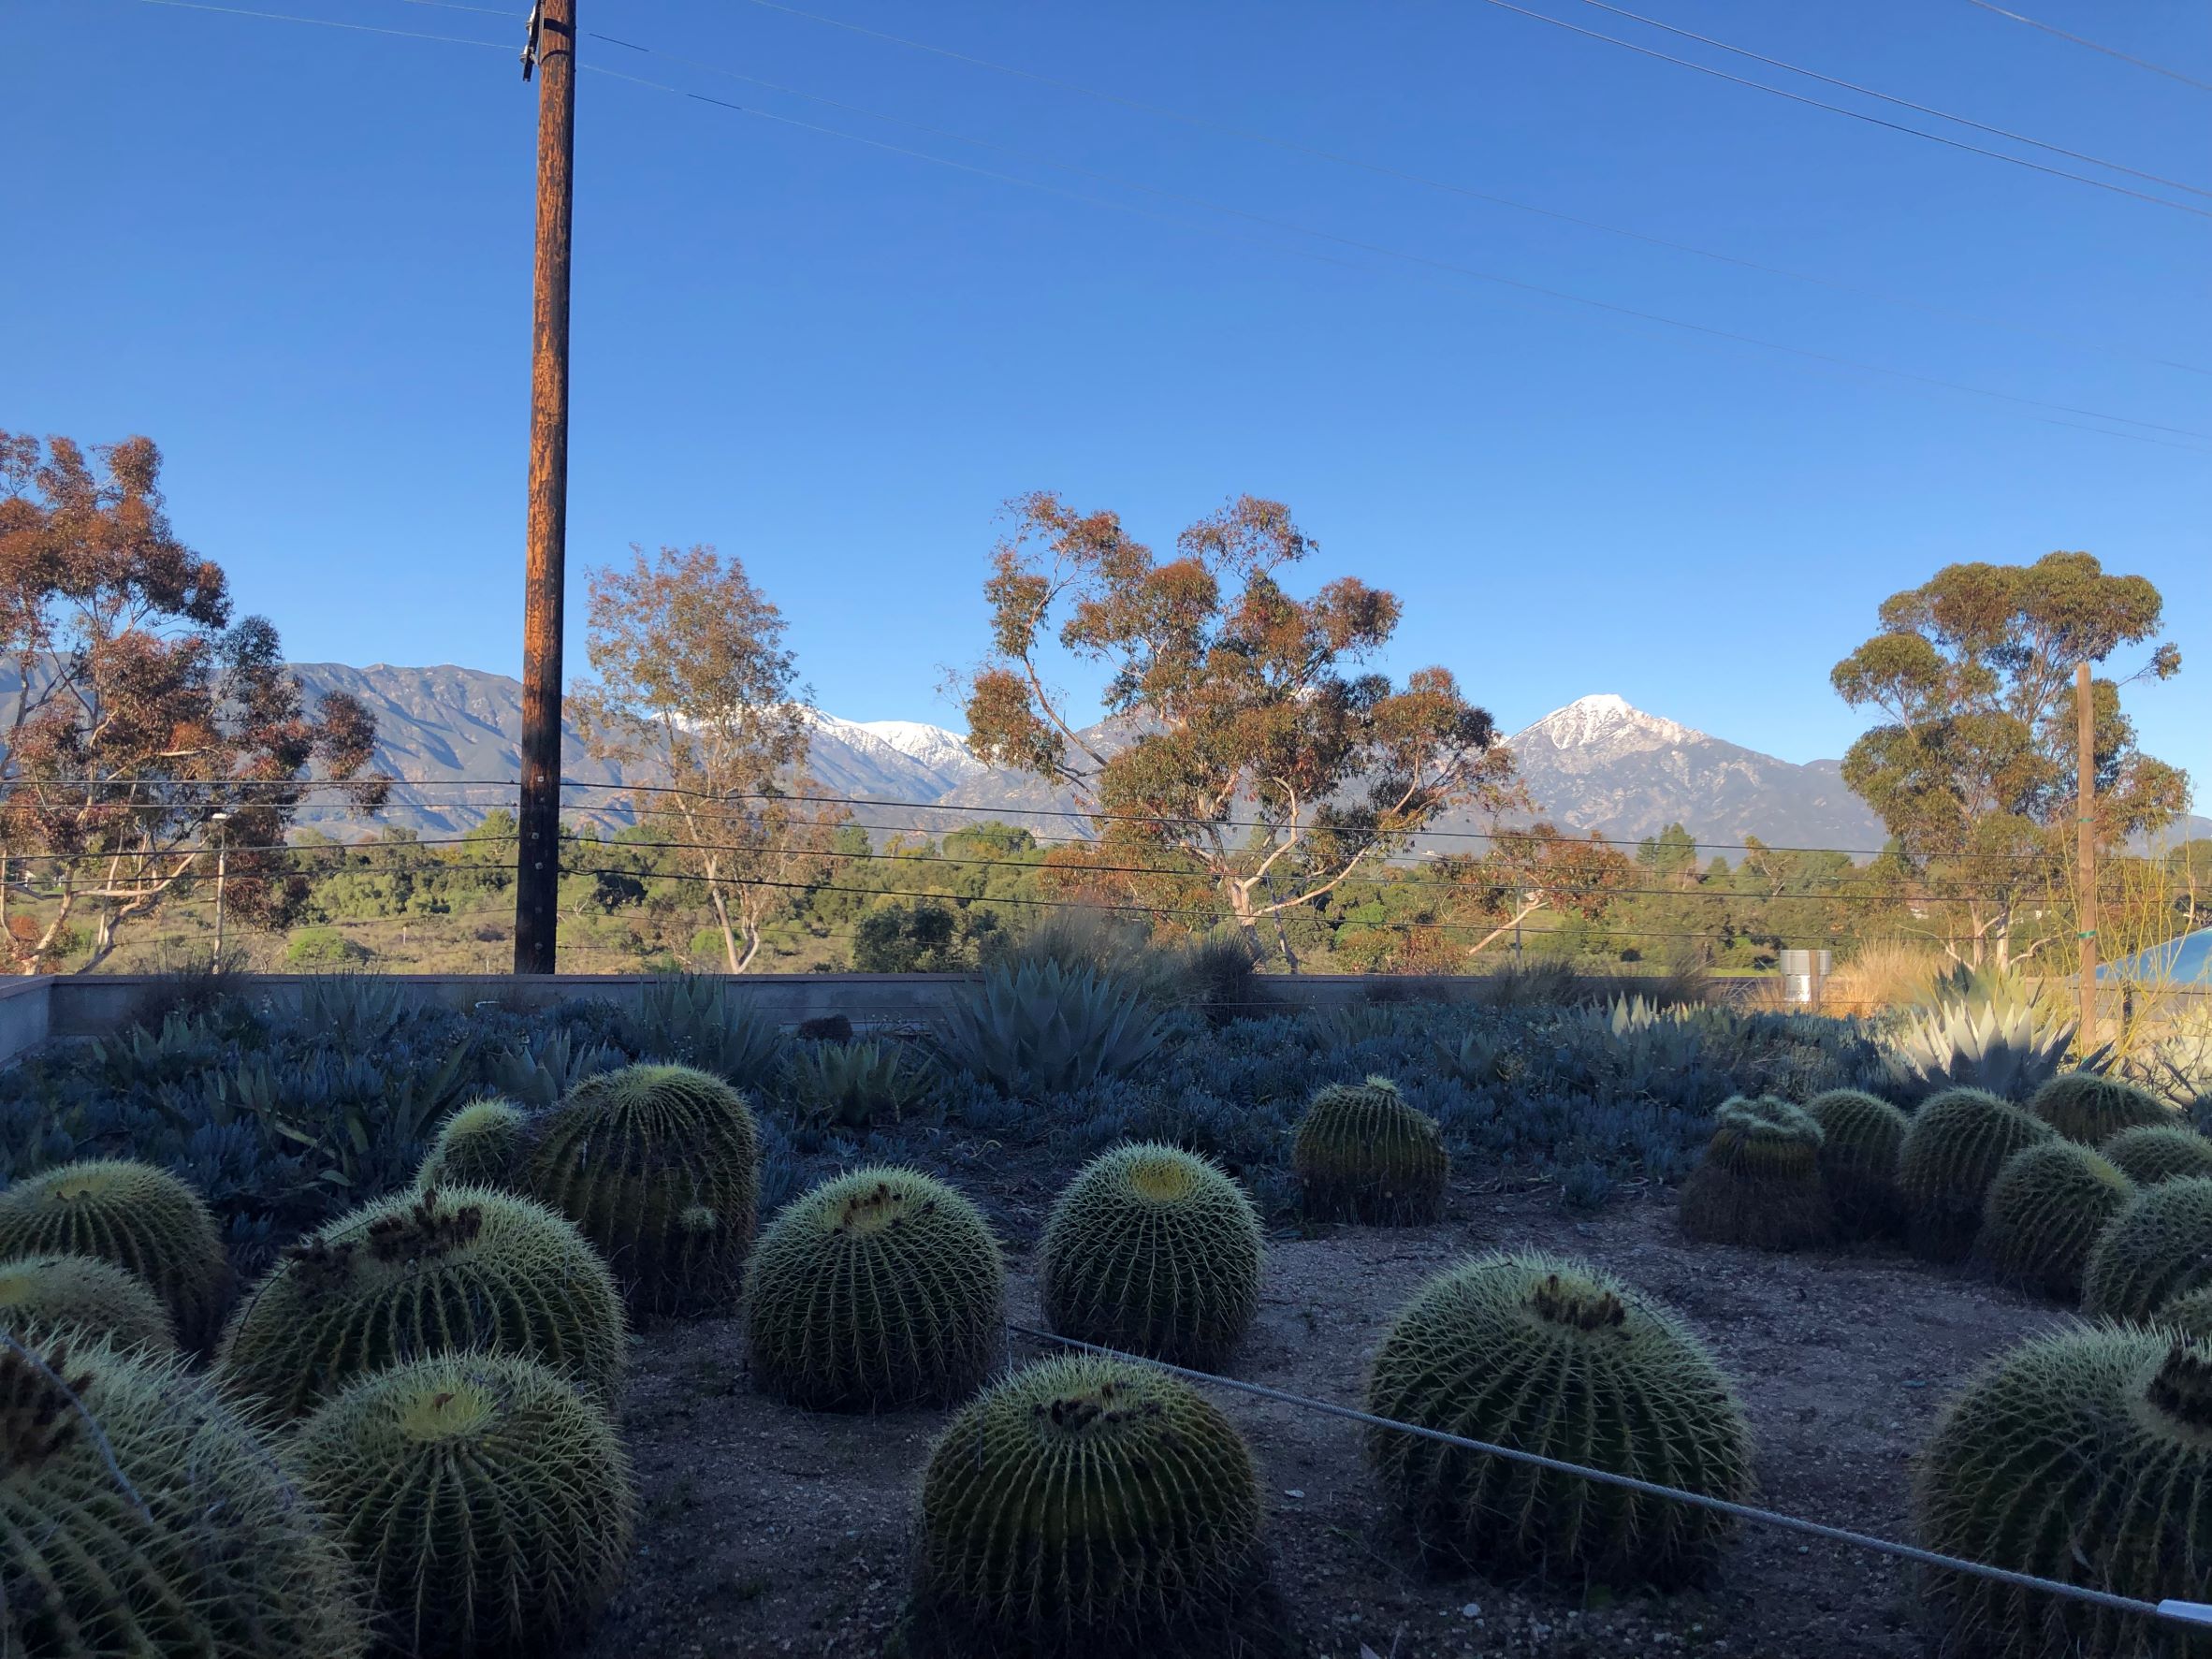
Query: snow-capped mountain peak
point(1607, 721)
point(932, 745)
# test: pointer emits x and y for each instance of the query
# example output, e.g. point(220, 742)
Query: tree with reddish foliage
point(144, 725)
point(1241, 755)
point(1530, 870)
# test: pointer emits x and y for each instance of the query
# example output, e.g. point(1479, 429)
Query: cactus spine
point(1760, 1182)
point(1362, 1153)
point(487, 1503)
point(141, 1515)
point(45, 1296)
point(144, 1220)
point(659, 1166)
point(1861, 1135)
point(1553, 1356)
point(882, 1287)
point(1086, 1506)
point(2050, 1203)
point(1957, 1143)
point(1156, 1250)
point(422, 1273)
point(479, 1144)
point(2157, 1247)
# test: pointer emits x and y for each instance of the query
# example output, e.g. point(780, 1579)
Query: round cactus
point(479, 1144)
point(1362, 1153)
point(2086, 1457)
point(1957, 1143)
point(1861, 1135)
point(2189, 1314)
point(659, 1167)
point(418, 1275)
point(880, 1287)
point(1555, 1356)
point(2157, 1247)
point(42, 1296)
point(1760, 1182)
point(140, 1218)
point(2091, 1107)
point(2158, 1152)
point(1153, 1249)
point(2050, 1203)
point(140, 1514)
point(1086, 1500)
point(488, 1504)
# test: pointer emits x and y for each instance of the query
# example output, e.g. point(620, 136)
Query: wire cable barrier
point(2171, 1611)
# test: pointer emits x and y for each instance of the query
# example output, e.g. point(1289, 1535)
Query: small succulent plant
point(2160, 1152)
point(1086, 1506)
point(1154, 1250)
point(1046, 1028)
point(1760, 1182)
point(2157, 1247)
point(142, 1514)
point(2049, 1205)
point(1861, 1136)
point(488, 1504)
point(2085, 1456)
point(658, 1166)
point(418, 1275)
point(1362, 1153)
point(47, 1296)
point(878, 1289)
point(1493, 1349)
point(854, 1085)
point(1957, 1143)
point(2092, 1107)
point(140, 1218)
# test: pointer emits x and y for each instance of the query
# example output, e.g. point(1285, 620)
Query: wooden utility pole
point(2085, 845)
point(551, 52)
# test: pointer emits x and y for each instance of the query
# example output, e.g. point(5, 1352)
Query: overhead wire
point(2110, 52)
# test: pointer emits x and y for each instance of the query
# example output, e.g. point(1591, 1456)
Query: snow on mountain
point(1607, 722)
point(938, 750)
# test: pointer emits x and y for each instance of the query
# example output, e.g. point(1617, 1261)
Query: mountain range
point(453, 735)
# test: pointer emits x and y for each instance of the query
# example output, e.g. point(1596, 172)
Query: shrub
point(658, 1167)
point(424, 1273)
point(1362, 1153)
point(1156, 1250)
point(2091, 1107)
point(882, 1287)
point(2085, 1456)
point(2160, 1152)
point(1760, 1182)
point(488, 1504)
point(2049, 1205)
point(1086, 1506)
point(1861, 1136)
point(201, 1548)
point(2157, 1247)
point(1957, 1143)
point(480, 1145)
point(1043, 1027)
point(50, 1296)
point(139, 1219)
point(1554, 1357)
point(323, 947)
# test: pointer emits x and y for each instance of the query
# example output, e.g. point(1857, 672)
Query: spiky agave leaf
point(1156, 1250)
point(880, 1287)
point(142, 1514)
point(2160, 1152)
point(47, 1296)
point(659, 1166)
point(2157, 1247)
point(418, 1275)
point(1957, 1143)
point(1760, 1182)
point(1087, 1506)
point(1553, 1356)
point(1362, 1153)
point(2049, 1203)
point(1861, 1136)
point(2085, 1456)
point(142, 1219)
point(488, 1504)
point(480, 1144)
point(2090, 1107)
point(1046, 1028)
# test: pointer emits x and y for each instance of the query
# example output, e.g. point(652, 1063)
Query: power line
point(325, 23)
point(1895, 126)
point(2109, 51)
point(1429, 182)
point(1635, 313)
point(1869, 91)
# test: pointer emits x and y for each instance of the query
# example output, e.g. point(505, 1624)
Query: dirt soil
point(765, 1529)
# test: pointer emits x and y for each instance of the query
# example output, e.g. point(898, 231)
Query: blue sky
point(299, 258)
